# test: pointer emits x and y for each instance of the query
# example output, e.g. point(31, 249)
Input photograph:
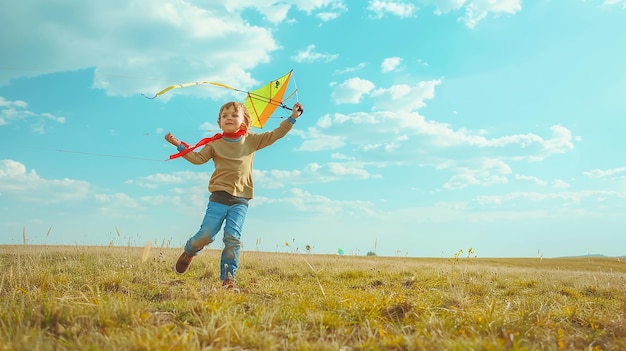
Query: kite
point(261, 103)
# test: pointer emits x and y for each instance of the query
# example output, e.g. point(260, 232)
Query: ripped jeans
point(216, 215)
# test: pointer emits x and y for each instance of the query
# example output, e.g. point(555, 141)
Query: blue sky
point(429, 126)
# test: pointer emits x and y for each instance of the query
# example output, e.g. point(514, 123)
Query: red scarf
point(204, 141)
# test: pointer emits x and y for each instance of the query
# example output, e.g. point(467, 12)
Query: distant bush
point(370, 253)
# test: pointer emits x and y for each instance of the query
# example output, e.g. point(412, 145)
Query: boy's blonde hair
point(238, 106)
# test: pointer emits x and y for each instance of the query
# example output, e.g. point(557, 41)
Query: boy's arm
point(297, 110)
point(193, 157)
point(172, 139)
point(268, 138)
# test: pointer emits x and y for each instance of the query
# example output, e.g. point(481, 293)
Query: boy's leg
point(211, 224)
point(232, 241)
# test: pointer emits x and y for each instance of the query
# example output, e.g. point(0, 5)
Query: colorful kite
point(261, 103)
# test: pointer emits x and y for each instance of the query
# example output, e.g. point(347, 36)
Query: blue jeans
point(216, 215)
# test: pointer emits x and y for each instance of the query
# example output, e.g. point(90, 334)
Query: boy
point(231, 184)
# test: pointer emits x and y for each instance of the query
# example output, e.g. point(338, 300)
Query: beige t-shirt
point(233, 160)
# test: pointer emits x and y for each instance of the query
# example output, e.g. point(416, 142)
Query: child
point(231, 184)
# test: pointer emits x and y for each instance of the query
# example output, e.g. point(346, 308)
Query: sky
point(430, 126)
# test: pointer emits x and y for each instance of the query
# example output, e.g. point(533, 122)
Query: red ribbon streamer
point(205, 141)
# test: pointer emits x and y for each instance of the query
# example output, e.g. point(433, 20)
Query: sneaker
point(229, 284)
point(183, 263)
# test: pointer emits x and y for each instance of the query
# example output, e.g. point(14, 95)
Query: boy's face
point(231, 119)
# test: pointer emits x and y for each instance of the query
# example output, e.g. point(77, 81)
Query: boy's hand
point(297, 110)
point(172, 139)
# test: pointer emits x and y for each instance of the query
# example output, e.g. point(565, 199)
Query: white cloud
point(161, 179)
point(275, 179)
point(117, 200)
point(162, 40)
point(600, 173)
point(314, 173)
point(461, 181)
point(445, 6)
point(475, 10)
point(314, 140)
point(53, 117)
point(17, 111)
point(532, 179)
point(478, 10)
point(422, 62)
point(309, 55)
point(397, 8)
point(394, 124)
point(14, 169)
point(560, 184)
point(403, 97)
point(351, 91)
point(561, 141)
point(328, 16)
point(390, 64)
point(307, 6)
point(331, 9)
point(550, 200)
point(305, 201)
point(484, 172)
point(352, 170)
point(274, 11)
point(339, 156)
point(356, 68)
point(28, 187)
point(444, 135)
point(615, 2)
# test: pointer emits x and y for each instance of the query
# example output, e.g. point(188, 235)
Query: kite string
point(109, 155)
point(293, 76)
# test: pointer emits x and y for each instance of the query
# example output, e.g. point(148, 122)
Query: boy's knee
point(199, 241)
point(230, 240)
point(231, 247)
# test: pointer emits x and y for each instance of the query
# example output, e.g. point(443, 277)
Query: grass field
point(126, 298)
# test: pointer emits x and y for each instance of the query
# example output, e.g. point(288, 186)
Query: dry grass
point(112, 298)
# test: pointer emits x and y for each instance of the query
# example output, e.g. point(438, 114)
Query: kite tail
point(182, 152)
point(205, 141)
point(188, 149)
